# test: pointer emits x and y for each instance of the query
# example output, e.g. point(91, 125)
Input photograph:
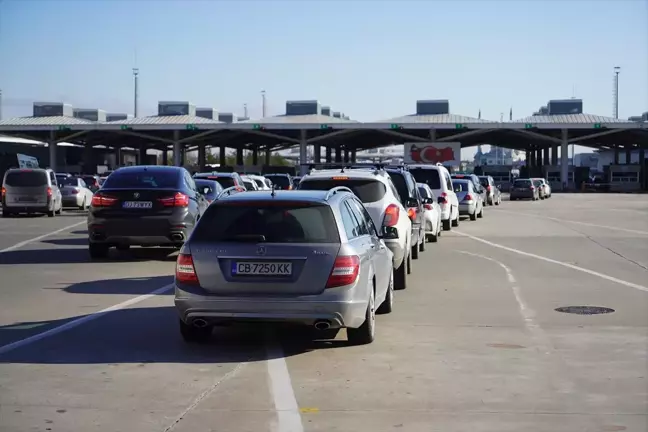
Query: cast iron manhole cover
point(584, 310)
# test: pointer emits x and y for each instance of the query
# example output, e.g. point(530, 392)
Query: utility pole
point(263, 103)
point(136, 91)
point(245, 111)
point(617, 71)
point(0, 104)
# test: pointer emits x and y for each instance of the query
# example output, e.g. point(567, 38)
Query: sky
point(369, 59)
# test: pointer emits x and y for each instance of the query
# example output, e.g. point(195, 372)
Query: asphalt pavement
point(474, 342)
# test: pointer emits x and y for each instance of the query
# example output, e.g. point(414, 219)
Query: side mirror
point(440, 200)
point(389, 233)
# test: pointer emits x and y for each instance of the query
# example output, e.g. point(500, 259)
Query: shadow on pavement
point(80, 232)
point(67, 241)
point(80, 255)
point(128, 286)
point(146, 335)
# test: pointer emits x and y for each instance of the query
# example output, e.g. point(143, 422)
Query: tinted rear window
point(483, 181)
point(214, 187)
point(142, 180)
point(522, 183)
point(225, 182)
point(428, 176)
point(89, 180)
point(280, 181)
point(460, 186)
point(367, 190)
point(68, 181)
point(26, 178)
point(249, 185)
point(278, 223)
point(259, 183)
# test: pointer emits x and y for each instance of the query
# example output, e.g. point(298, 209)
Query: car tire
point(365, 334)
point(387, 305)
point(409, 264)
point(51, 213)
point(97, 250)
point(446, 225)
point(6, 213)
point(415, 252)
point(193, 334)
point(499, 200)
point(83, 205)
point(481, 213)
point(455, 223)
point(473, 216)
point(400, 276)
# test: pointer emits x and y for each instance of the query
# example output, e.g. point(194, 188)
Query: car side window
point(349, 222)
point(367, 217)
point(393, 189)
point(82, 184)
point(52, 177)
point(363, 227)
point(448, 181)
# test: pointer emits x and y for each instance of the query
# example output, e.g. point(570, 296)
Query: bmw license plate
point(261, 269)
point(138, 204)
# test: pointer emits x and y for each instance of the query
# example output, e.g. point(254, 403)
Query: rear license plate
point(26, 199)
point(261, 269)
point(138, 204)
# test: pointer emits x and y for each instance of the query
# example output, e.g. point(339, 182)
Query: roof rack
point(335, 190)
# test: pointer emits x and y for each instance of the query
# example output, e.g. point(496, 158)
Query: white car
point(378, 194)
point(545, 186)
point(438, 179)
point(262, 183)
point(432, 213)
point(249, 183)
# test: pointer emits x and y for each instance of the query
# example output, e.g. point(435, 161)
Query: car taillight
point(289, 187)
point(177, 200)
point(392, 214)
point(100, 200)
point(411, 213)
point(49, 192)
point(443, 198)
point(488, 188)
point(345, 271)
point(428, 206)
point(75, 190)
point(185, 270)
point(468, 197)
point(532, 187)
point(4, 192)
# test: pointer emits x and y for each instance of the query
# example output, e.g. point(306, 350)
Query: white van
point(30, 190)
point(437, 177)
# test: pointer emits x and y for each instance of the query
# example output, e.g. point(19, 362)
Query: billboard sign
point(25, 161)
point(447, 153)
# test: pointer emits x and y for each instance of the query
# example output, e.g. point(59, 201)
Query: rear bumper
point(146, 231)
point(522, 195)
point(341, 313)
point(72, 201)
point(467, 209)
point(36, 208)
point(446, 212)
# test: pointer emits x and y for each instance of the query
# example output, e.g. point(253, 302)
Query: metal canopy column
point(546, 158)
point(141, 154)
point(51, 144)
point(255, 156)
point(222, 156)
point(554, 155)
point(317, 153)
point(539, 161)
point(346, 155)
point(628, 156)
point(88, 159)
point(353, 156)
point(303, 153)
point(338, 154)
point(177, 153)
point(329, 154)
point(616, 155)
point(202, 156)
point(165, 156)
point(564, 159)
point(239, 157)
point(118, 155)
point(268, 154)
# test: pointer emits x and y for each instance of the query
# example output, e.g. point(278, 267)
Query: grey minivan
point(312, 258)
point(30, 190)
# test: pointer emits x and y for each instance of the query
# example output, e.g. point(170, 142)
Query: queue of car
point(326, 250)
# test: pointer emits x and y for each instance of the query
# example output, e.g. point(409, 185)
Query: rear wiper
point(247, 238)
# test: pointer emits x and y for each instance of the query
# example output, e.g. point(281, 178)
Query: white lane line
point(26, 242)
point(205, 394)
point(79, 321)
point(575, 222)
point(283, 395)
point(553, 261)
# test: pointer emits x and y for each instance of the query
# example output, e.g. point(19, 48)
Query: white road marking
point(79, 321)
point(26, 242)
point(204, 394)
point(283, 395)
point(553, 261)
point(576, 222)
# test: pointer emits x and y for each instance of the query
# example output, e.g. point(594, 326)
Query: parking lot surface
point(474, 342)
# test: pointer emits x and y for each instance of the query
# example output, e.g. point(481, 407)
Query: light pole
point(136, 90)
point(617, 71)
point(263, 103)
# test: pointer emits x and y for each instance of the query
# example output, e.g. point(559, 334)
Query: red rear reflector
point(49, 191)
point(392, 214)
point(345, 271)
point(442, 198)
point(411, 213)
point(100, 200)
point(185, 270)
point(468, 197)
point(76, 191)
point(488, 188)
point(177, 200)
point(428, 207)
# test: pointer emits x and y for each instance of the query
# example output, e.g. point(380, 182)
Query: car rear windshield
point(460, 186)
point(213, 190)
point(259, 183)
point(428, 176)
point(259, 221)
point(522, 183)
point(26, 178)
point(249, 184)
point(142, 180)
point(401, 186)
point(367, 190)
point(484, 181)
point(68, 181)
point(282, 181)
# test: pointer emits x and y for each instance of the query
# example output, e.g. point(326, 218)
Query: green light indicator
point(459, 126)
point(191, 127)
point(528, 126)
point(124, 127)
point(597, 126)
point(395, 126)
point(325, 126)
point(63, 128)
point(256, 126)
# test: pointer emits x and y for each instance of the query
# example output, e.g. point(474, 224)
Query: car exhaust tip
point(200, 323)
point(322, 325)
